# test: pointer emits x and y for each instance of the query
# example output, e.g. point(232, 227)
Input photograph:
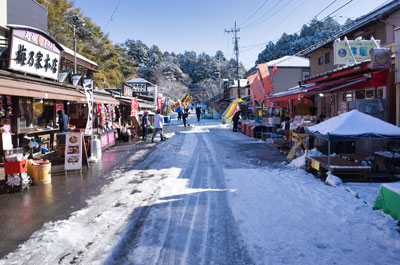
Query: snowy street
point(208, 195)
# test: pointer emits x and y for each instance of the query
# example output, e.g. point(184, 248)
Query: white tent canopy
point(354, 125)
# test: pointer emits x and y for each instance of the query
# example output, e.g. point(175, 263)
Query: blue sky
point(179, 25)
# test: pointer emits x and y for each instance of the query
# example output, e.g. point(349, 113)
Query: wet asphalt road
point(24, 212)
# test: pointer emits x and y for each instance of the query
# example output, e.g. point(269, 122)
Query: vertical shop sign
point(73, 151)
point(159, 102)
point(134, 109)
point(88, 85)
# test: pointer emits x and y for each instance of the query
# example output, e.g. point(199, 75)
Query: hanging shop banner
point(73, 151)
point(159, 102)
point(256, 87)
point(266, 78)
point(88, 86)
point(185, 97)
point(134, 107)
point(344, 50)
point(34, 53)
point(380, 58)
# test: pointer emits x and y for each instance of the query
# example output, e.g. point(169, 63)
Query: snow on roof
point(71, 52)
point(290, 61)
point(355, 124)
point(138, 80)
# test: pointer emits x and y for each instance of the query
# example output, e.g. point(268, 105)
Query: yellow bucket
point(40, 174)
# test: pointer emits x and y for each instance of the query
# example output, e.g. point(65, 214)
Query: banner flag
point(256, 88)
point(266, 78)
point(231, 110)
point(88, 86)
point(134, 107)
point(175, 105)
point(185, 97)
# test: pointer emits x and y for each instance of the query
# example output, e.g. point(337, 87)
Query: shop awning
point(104, 99)
point(144, 105)
point(28, 88)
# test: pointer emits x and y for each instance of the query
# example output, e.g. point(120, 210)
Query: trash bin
point(167, 119)
point(40, 172)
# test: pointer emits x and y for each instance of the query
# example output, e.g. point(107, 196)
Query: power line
point(88, 8)
point(262, 17)
point(337, 10)
point(112, 15)
point(255, 12)
point(325, 8)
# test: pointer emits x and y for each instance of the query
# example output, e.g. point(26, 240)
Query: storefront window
point(43, 112)
point(369, 93)
point(6, 111)
point(25, 110)
point(360, 94)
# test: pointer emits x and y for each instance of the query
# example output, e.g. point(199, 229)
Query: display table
point(387, 161)
point(388, 199)
point(338, 166)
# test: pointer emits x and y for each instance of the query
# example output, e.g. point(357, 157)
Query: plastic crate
point(15, 167)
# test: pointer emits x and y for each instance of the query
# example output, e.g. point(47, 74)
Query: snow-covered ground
point(177, 206)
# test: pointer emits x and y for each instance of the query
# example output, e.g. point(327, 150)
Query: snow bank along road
point(211, 196)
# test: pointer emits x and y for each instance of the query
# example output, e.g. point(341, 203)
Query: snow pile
point(332, 180)
point(287, 217)
point(301, 160)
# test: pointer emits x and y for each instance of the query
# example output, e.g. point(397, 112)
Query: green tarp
point(388, 199)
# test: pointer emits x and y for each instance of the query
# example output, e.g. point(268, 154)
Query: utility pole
point(235, 30)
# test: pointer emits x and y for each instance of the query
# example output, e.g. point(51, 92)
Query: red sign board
point(159, 103)
point(134, 107)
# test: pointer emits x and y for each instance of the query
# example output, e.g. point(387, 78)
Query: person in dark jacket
point(198, 113)
point(235, 119)
point(179, 115)
point(62, 121)
point(185, 116)
point(145, 125)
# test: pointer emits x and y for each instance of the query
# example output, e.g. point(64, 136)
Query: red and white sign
point(134, 107)
point(159, 102)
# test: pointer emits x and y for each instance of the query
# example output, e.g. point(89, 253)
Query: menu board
point(73, 151)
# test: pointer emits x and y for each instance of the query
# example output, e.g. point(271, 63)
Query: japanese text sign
point(34, 54)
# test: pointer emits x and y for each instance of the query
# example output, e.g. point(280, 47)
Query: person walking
point(235, 119)
point(185, 116)
point(158, 126)
point(179, 115)
point(62, 121)
point(198, 113)
point(145, 124)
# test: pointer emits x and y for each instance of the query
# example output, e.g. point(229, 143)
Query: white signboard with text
point(33, 53)
point(73, 151)
point(88, 86)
